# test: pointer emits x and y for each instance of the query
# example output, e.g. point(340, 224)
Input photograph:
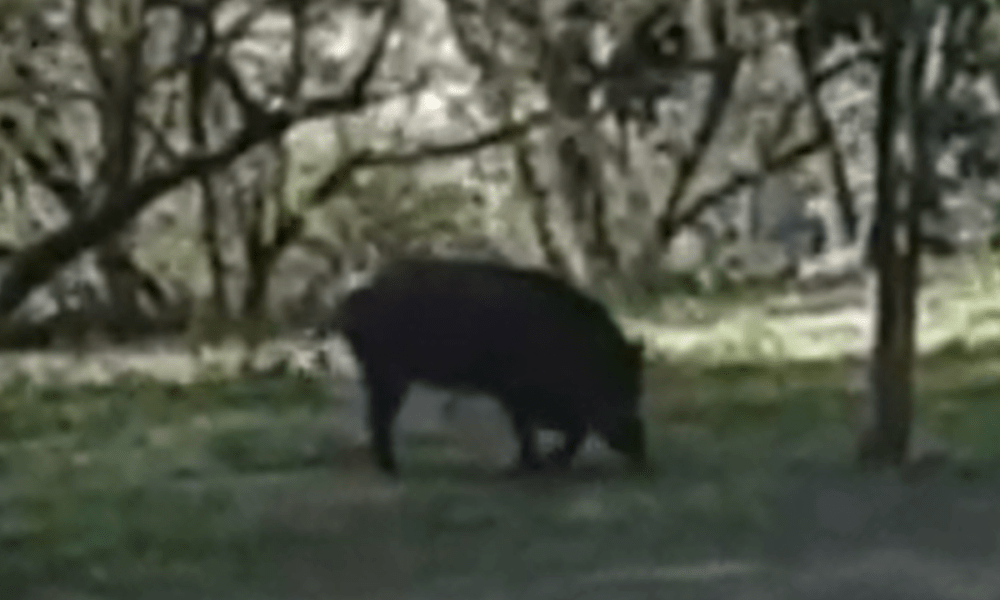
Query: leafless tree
point(167, 89)
point(919, 64)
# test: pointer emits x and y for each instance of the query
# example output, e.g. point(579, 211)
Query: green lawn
point(235, 488)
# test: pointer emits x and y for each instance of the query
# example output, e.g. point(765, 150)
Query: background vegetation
point(186, 185)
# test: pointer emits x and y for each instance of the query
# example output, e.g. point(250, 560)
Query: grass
point(126, 477)
point(236, 487)
point(959, 308)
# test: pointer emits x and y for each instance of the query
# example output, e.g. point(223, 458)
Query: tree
point(549, 42)
point(130, 98)
point(175, 98)
point(922, 43)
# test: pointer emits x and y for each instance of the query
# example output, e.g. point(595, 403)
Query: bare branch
point(870, 55)
point(352, 99)
point(340, 103)
point(297, 60)
point(222, 41)
point(160, 142)
point(339, 177)
point(742, 180)
point(370, 66)
point(291, 228)
point(367, 158)
point(814, 79)
point(725, 80)
point(505, 134)
point(38, 261)
point(66, 191)
point(91, 42)
point(250, 109)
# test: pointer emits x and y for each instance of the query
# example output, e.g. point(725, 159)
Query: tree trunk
point(213, 248)
point(578, 154)
point(127, 287)
point(198, 111)
point(119, 118)
point(885, 441)
point(540, 217)
point(269, 228)
point(917, 40)
point(582, 187)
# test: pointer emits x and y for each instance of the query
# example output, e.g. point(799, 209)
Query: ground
point(153, 474)
point(262, 487)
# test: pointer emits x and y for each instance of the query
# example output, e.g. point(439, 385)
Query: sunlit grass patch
point(787, 406)
point(958, 309)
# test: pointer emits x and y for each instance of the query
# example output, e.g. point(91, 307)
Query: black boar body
point(552, 356)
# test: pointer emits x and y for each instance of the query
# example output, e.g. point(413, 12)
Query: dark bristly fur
point(551, 355)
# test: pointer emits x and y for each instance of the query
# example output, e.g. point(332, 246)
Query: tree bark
point(38, 261)
point(199, 82)
point(552, 254)
point(570, 75)
point(912, 93)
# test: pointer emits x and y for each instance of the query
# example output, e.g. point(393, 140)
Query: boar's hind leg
point(526, 435)
point(384, 397)
point(573, 435)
